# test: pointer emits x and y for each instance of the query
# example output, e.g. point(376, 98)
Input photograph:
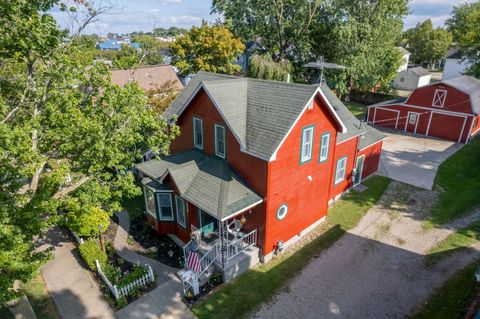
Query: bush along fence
point(124, 291)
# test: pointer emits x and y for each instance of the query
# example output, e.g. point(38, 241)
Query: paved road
point(378, 269)
point(414, 159)
point(75, 293)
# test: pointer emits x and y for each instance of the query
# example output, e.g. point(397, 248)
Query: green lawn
point(450, 300)
point(459, 179)
point(357, 109)
point(40, 299)
point(244, 294)
point(459, 240)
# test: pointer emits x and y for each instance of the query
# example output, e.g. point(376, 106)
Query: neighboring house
point(411, 79)
point(454, 65)
point(449, 109)
point(251, 48)
point(115, 45)
point(405, 59)
point(254, 168)
point(148, 77)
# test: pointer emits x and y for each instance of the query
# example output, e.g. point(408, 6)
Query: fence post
point(115, 292)
point(150, 272)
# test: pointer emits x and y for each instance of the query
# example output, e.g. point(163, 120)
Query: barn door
point(412, 122)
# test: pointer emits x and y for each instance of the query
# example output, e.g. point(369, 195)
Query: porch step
point(241, 263)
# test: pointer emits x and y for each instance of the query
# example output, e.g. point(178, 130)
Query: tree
point(361, 35)
point(127, 58)
point(465, 26)
point(207, 48)
point(428, 44)
point(160, 97)
point(60, 119)
point(281, 24)
point(150, 49)
point(263, 67)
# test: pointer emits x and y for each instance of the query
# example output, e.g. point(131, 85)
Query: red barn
point(449, 109)
point(254, 168)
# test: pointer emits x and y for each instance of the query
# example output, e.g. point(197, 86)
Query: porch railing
point(235, 247)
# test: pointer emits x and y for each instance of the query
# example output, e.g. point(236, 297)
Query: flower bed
point(121, 281)
point(214, 281)
point(145, 240)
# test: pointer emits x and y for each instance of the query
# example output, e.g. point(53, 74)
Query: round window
point(282, 212)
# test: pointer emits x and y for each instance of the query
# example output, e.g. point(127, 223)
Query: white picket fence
point(124, 291)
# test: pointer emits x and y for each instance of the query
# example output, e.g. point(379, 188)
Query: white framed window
point(150, 202)
point(324, 147)
point(198, 133)
point(439, 98)
point(220, 141)
point(181, 211)
point(165, 206)
point(307, 144)
point(282, 211)
point(340, 170)
point(412, 118)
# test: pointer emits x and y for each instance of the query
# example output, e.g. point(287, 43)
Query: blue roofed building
point(115, 45)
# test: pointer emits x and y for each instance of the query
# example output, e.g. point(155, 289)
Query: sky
point(144, 15)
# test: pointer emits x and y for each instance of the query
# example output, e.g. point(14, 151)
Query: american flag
point(194, 261)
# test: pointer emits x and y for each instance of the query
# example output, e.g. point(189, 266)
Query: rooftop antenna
point(322, 65)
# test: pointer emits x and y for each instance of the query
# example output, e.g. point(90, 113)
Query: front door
point(412, 122)
point(359, 170)
point(208, 224)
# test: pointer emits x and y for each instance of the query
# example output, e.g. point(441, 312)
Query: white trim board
point(416, 122)
point(425, 108)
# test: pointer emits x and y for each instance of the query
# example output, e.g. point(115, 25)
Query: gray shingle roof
point(260, 113)
point(205, 181)
point(419, 71)
point(468, 85)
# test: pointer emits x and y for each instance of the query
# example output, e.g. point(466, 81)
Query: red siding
point(288, 180)
point(456, 100)
point(349, 149)
point(372, 159)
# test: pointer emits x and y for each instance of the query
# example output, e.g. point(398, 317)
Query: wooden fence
point(125, 290)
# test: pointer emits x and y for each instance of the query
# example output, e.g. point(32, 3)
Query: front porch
point(204, 203)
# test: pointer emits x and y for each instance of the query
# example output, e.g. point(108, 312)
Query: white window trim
point(154, 213)
point(339, 179)
point(323, 146)
point(309, 144)
point(197, 120)
point(184, 224)
point(436, 98)
point(224, 141)
point(160, 206)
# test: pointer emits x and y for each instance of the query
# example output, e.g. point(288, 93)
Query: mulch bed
point(145, 240)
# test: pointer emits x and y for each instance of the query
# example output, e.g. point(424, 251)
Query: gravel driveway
point(414, 159)
point(378, 269)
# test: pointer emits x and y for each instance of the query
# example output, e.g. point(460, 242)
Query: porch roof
point(205, 181)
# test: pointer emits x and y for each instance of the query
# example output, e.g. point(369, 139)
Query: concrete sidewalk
point(166, 300)
point(75, 293)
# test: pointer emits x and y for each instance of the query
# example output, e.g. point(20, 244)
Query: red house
point(254, 168)
point(449, 109)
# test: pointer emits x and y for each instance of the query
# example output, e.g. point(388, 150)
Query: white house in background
point(412, 79)
point(405, 59)
point(454, 66)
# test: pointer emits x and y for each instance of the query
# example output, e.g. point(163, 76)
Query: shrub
point(136, 273)
point(90, 250)
point(122, 302)
point(112, 273)
point(215, 279)
point(85, 220)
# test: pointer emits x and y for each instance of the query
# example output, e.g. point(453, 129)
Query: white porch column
point(223, 230)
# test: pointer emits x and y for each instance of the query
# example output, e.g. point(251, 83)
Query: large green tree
point(465, 26)
point(361, 35)
point(427, 44)
point(66, 133)
point(210, 48)
point(282, 25)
